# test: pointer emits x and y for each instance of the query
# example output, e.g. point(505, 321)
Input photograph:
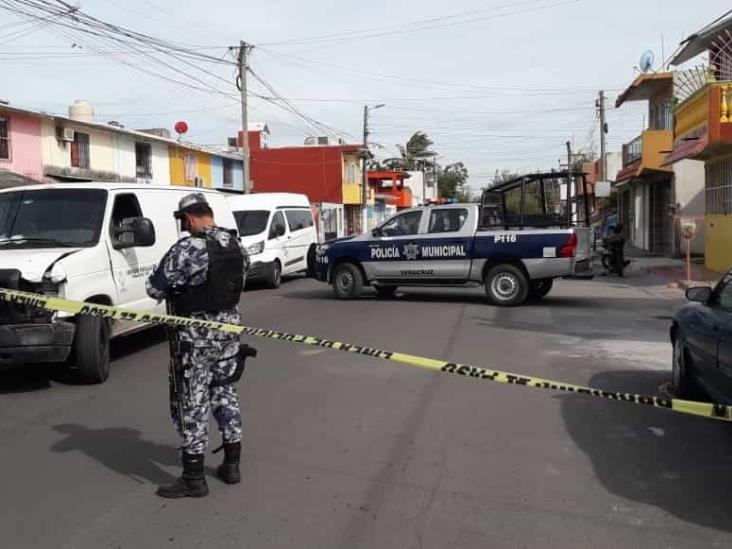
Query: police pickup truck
point(515, 253)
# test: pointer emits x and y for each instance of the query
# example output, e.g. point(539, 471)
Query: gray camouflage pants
point(200, 367)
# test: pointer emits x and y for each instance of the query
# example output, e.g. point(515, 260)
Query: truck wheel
point(385, 291)
point(506, 286)
point(274, 276)
point(347, 281)
point(539, 288)
point(311, 262)
point(91, 348)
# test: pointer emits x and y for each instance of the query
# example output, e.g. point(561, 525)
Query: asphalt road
point(348, 451)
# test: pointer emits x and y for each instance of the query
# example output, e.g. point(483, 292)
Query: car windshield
point(51, 218)
point(251, 222)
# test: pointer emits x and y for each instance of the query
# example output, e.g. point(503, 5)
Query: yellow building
point(703, 131)
point(190, 167)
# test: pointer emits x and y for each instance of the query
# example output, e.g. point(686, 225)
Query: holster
point(245, 351)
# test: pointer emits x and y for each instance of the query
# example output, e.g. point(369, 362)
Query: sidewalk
point(673, 271)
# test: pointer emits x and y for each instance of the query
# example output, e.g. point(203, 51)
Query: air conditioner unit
point(198, 181)
point(64, 134)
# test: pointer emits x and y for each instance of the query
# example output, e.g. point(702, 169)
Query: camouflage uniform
point(206, 354)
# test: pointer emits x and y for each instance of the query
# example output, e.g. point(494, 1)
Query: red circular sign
point(181, 127)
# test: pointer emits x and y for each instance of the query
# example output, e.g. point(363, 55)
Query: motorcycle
point(612, 258)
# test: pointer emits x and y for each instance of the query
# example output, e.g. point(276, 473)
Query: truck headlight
point(255, 249)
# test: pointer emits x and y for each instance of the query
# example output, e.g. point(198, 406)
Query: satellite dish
point(646, 61)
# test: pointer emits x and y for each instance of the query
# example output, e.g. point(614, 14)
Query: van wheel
point(274, 276)
point(347, 281)
point(539, 288)
point(506, 286)
point(385, 291)
point(91, 348)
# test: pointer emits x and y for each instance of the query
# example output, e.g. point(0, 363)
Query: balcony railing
point(633, 151)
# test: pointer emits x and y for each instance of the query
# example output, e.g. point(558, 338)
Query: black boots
point(191, 484)
point(228, 471)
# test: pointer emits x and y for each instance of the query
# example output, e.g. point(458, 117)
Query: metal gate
point(660, 227)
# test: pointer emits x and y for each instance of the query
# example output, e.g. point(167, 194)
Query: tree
point(452, 182)
point(415, 155)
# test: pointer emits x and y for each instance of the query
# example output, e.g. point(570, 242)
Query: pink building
point(20, 144)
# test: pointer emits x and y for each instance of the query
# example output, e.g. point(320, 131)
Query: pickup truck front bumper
point(35, 343)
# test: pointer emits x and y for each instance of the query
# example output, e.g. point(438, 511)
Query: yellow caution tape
point(703, 409)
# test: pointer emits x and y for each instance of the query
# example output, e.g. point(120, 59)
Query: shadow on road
point(677, 463)
point(27, 378)
point(120, 449)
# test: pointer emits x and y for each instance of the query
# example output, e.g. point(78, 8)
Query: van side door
point(277, 237)
point(300, 223)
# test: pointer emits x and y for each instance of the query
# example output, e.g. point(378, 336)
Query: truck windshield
point(51, 218)
point(251, 222)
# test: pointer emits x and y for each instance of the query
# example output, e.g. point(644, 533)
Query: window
point(4, 138)
point(143, 159)
point(228, 172)
point(49, 218)
point(724, 293)
point(299, 219)
point(80, 150)
point(126, 206)
point(277, 221)
point(251, 222)
point(719, 186)
point(403, 224)
point(447, 220)
point(351, 174)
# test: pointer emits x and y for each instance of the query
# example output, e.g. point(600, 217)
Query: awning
point(686, 149)
point(628, 172)
point(701, 41)
point(12, 179)
point(647, 85)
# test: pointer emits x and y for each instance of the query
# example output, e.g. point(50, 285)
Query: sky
point(497, 84)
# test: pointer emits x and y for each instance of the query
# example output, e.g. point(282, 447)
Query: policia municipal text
point(202, 277)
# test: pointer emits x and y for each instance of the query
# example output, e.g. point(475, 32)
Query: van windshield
point(51, 218)
point(251, 222)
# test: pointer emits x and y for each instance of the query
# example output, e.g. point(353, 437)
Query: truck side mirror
point(134, 232)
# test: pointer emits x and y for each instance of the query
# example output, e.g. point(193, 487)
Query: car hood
point(32, 263)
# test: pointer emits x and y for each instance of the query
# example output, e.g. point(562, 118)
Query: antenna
point(646, 60)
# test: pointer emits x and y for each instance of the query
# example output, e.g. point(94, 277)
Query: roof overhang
point(686, 149)
point(701, 41)
point(647, 85)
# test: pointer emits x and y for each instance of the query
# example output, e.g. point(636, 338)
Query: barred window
point(80, 150)
point(4, 139)
point(719, 186)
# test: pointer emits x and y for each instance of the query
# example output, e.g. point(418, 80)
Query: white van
point(94, 242)
point(278, 231)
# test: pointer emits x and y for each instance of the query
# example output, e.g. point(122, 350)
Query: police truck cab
point(524, 234)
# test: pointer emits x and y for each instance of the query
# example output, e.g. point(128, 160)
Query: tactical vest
point(224, 281)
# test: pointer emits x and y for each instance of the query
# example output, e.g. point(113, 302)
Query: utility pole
point(365, 168)
point(244, 49)
point(569, 183)
point(603, 125)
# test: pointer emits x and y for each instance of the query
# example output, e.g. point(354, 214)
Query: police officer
point(202, 277)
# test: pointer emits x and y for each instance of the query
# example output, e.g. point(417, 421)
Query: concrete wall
point(718, 242)
point(104, 161)
point(187, 164)
point(25, 145)
point(217, 174)
point(690, 197)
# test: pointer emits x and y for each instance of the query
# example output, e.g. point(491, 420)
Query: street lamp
point(365, 174)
